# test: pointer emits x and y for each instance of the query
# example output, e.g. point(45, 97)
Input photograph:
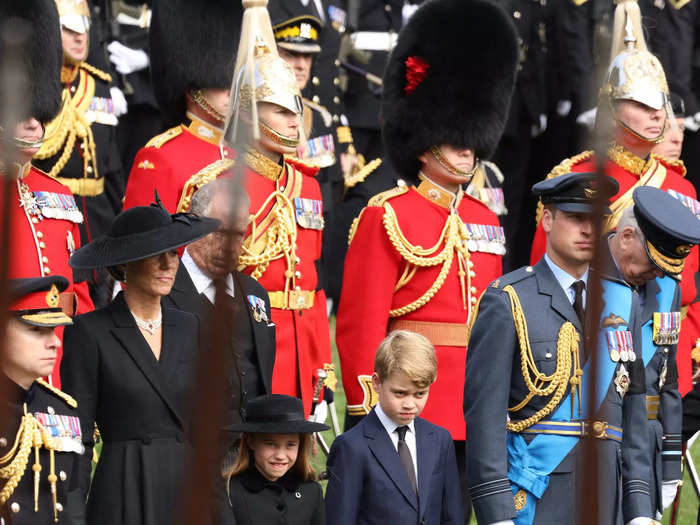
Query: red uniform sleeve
point(152, 170)
point(371, 271)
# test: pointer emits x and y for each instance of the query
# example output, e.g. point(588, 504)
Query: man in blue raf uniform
point(527, 405)
point(648, 251)
point(40, 438)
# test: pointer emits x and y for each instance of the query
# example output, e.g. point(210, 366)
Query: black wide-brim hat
point(275, 414)
point(670, 228)
point(140, 232)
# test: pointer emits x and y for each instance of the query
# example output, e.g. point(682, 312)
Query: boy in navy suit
point(393, 466)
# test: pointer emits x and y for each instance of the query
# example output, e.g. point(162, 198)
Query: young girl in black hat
point(272, 481)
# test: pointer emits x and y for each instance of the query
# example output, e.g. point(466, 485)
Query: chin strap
point(278, 138)
point(198, 98)
point(437, 154)
point(653, 140)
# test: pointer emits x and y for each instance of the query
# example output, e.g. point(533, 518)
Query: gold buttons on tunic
point(14, 507)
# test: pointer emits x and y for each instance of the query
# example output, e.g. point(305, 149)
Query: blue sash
point(664, 300)
point(531, 464)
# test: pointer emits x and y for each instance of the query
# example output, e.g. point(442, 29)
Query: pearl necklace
point(150, 325)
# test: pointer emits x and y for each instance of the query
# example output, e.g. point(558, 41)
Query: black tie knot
point(401, 431)
point(579, 287)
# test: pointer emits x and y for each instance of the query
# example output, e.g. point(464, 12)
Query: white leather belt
point(374, 40)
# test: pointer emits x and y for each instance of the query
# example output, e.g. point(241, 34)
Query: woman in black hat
point(272, 481)
point(132, 366)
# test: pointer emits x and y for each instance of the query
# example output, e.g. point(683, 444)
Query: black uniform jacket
point(139, 405)
point(287, 501)
point(19, 508)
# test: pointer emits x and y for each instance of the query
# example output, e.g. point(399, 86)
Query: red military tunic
point(630, 171)
point(176, 163)
point(281, 249)
point(379, 288)
point(44, 232)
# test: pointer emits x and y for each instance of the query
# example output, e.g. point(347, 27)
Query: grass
point(687, 512)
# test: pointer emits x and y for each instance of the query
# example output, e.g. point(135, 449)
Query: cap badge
point(590, 192)
point(305, 30)
point(683, 250)
point(52, 297)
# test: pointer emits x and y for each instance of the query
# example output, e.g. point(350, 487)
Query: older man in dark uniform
point(40, 437)
point(527, 405)
point(648, 251)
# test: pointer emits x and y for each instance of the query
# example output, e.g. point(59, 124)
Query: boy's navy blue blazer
point(368, 484)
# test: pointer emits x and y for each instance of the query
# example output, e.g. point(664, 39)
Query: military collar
point(205, 131)
point(15, 394)
point(68, 73)
point(253, 481)
point(261, 164)
point(628, 160)
point(437, 194)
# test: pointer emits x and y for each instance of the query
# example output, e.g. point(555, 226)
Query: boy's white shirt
point(391, 427)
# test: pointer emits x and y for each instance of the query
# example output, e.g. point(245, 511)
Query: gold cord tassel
point(36, 468)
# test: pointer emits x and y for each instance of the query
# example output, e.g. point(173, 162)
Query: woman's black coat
point(140, 407)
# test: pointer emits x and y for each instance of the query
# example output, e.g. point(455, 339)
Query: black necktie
point(579, 287)
point(405, 456)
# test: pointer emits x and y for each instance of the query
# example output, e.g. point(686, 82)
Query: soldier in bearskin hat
point(44, 216)
point(193, 47)
point(80, 146)
point(421, 254)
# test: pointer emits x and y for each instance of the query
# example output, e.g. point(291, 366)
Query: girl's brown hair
point(302, 466)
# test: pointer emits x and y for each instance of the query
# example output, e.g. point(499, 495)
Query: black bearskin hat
point(449, 80)
point(42, 53)
point(193, 45)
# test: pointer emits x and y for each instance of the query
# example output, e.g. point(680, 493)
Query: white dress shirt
point(566, 281)
point(202, 282)
point(391, 427)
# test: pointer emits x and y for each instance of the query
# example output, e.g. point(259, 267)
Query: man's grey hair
point(627, 219)
point(203, 197)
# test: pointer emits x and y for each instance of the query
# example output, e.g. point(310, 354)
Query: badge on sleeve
point(620, 345)
point(309, 213)
point(65, 431)
point(667, 326)
point(258, 307)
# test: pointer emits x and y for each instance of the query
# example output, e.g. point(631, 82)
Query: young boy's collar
point(389, 424)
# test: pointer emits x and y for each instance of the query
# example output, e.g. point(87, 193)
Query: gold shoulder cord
point(539, 384)
point(452, 239)
point(70, 401)
point(31, 434)
point(199, 179)
point(280, 237)
point(70, 124)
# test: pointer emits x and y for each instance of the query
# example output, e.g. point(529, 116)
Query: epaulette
point(102, 75)
point(677, 4)
point(305, 168)
point(199, 179)
point(380, 198)
point(513, 277)
point(678, 165)
point(362, 173)
point(166, 136)
point(496, 170)
point(563, 168)
point(55, 391)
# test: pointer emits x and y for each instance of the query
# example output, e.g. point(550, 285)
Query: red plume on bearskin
point(449, 80)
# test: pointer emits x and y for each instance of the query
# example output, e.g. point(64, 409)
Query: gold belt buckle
point(300, 300)
point(598, 429)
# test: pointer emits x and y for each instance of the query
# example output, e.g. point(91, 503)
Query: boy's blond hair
point(407, 352)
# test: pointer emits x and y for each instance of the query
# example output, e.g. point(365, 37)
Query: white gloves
point(120, 105)
point(538, 128)
point(668, 492)
point(563, 108)
point(320, 412)
point(587, 118)
point(506, 522)
point(692, 123)
point(641, 521)
point(125, 59)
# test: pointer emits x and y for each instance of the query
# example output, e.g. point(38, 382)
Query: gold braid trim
point(540, 384)
point(199, 179)
point(453, 239)
point(362, 173)
point(13, 465)
point(96, 72)
point(671, 162)
point(70, 124)
point(280, 240)
point(71, 402)
point(562, 168)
